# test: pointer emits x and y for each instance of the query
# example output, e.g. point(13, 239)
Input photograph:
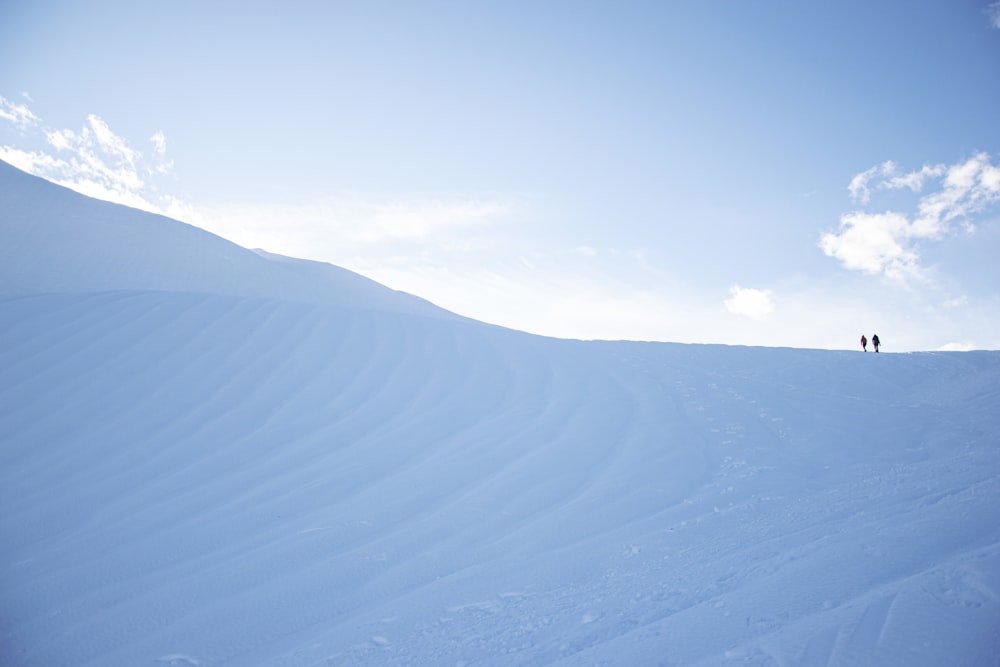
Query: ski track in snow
point(206, 480)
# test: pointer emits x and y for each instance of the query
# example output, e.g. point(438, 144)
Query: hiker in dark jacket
point(875, 341)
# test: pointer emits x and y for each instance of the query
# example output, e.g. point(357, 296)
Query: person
point(875, 341)
point(864, 343)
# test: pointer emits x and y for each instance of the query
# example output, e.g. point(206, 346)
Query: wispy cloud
point(859, 185)
point(159, 142)
point(18, 114)
point(913, 181)
point(888, 242)
point(92, 160)
point(993, 13)
point(749, 302)
point(339, 225)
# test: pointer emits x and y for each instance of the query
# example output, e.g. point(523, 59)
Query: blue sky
point(767, 173)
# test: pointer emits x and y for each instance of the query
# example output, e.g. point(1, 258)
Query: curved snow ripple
point(195, 479)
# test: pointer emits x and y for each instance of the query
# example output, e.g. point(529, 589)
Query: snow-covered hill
point(55, 240)
point(213, 457)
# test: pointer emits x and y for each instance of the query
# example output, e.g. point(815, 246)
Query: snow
point(216, 457)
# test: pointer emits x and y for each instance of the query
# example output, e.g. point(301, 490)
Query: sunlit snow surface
point(196, 470)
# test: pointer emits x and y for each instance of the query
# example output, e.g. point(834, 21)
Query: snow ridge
point(55, 240)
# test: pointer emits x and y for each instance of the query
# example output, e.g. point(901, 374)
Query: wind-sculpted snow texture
point(226, 478)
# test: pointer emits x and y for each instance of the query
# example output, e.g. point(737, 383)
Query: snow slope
point(55, 240)
point(212, 457)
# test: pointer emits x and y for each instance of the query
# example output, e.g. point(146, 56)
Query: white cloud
point(99, 163)
point(873, 243)
point(33, 162)
point(753, 303)
point(915, 180)
point(61, 140)
point(968, 188)
point(859, 188)
point(93, 160)
point(160, 148)
point(109, 142)
point(888, 242)
point(159, 142)
point(993, 12)
point(18, 114)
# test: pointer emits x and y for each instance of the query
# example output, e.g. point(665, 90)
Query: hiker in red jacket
point(864, 343)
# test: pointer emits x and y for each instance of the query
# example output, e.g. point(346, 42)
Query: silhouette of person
point(875, 341)
point(864, 343)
